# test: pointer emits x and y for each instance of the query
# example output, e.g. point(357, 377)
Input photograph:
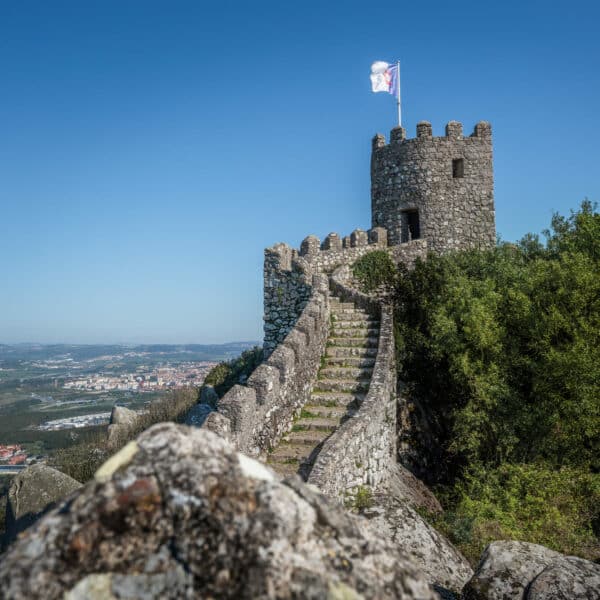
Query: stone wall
point(287, 288)
point(255, 416)
point(454, 201)
point(288, 272)
point(363, 450)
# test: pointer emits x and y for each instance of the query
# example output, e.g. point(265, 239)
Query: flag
point(384, 77)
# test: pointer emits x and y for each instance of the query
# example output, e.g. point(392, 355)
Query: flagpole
point(398, 99)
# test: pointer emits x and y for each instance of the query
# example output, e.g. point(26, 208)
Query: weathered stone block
point(378, 236)
point(424, 130)
point(284, 360)
point(358, 238)
point(332, 242)
point(310, 246)
point(378, 141)
point(397, 135)
point(265, 381)
point(239, 406)
point(454, 130)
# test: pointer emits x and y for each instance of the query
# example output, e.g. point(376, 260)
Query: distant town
point(145, 378)
point(50, 394)
point(14, 458)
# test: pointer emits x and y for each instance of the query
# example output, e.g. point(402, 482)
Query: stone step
point(318, 423)
point(309, 437)
point(354, 342)
point(284, 469)
point(342, 313)
point(346, 351)
point(356, 322)
point(349, 361)
point(291, 454)
point(354, 331)
point(342, 385)
point(331, 412)
point(335, 399)
point(345, 373)
point(337, 304)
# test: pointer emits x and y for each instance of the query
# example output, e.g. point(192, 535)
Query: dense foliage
point(500, 351)
point(226, 374)
point(374, 271)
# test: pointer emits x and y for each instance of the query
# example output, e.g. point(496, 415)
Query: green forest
point(499, 350)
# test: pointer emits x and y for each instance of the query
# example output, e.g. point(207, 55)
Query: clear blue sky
point(149, 150)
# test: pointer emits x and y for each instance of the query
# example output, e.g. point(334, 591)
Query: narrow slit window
point(458, 168)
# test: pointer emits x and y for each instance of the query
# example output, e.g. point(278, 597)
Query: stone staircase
point(342, 383)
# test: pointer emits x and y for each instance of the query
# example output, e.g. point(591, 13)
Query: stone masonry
point(429, 194)
point(437, 188)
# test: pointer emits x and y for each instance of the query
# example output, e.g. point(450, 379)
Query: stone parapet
point(363, 450)
point(259, 413)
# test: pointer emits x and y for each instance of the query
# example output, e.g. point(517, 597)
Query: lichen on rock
point(185, 517)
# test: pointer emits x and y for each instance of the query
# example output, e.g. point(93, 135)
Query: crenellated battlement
point(288, 272)
point(482, 132)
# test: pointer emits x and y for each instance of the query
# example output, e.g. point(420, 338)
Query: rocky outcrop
point(123, 416)
point(122, 420)
point(518, 570)
point(392, 518)
point(32, 493)
point(568, 579)
point(402, 484)
point(179, 514)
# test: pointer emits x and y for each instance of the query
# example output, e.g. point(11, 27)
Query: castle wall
point(288, 272)
point(454, 212)
point(287, 289)
point(363, 450)
point(255, 416)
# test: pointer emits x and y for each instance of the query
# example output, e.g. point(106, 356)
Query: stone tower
point(437, 188)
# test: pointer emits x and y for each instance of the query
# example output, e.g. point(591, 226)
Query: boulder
point(122, 421)
point(569, 578)
point(123, 416)
point(392, 518)
point(519, 570)
point(403, 484)
point(219, 424)
point(178, 513)
point(33, 492)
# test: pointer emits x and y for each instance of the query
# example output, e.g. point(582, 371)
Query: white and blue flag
point(384, 77)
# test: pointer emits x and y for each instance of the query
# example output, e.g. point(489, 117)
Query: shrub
point(531, 502)
point(375, 271)
point(500, 352)
point(226, 374)
point(361, 499)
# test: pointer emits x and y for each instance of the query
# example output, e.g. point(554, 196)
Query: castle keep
point(437, 188)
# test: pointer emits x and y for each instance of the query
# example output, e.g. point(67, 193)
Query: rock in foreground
point(180, 514)
point(33, 492)
point(442, 564)
point(518, 570)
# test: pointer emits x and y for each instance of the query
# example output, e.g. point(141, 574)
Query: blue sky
point(150, 150)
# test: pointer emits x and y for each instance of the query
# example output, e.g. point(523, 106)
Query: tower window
point(410, 225)
point(458, 167)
